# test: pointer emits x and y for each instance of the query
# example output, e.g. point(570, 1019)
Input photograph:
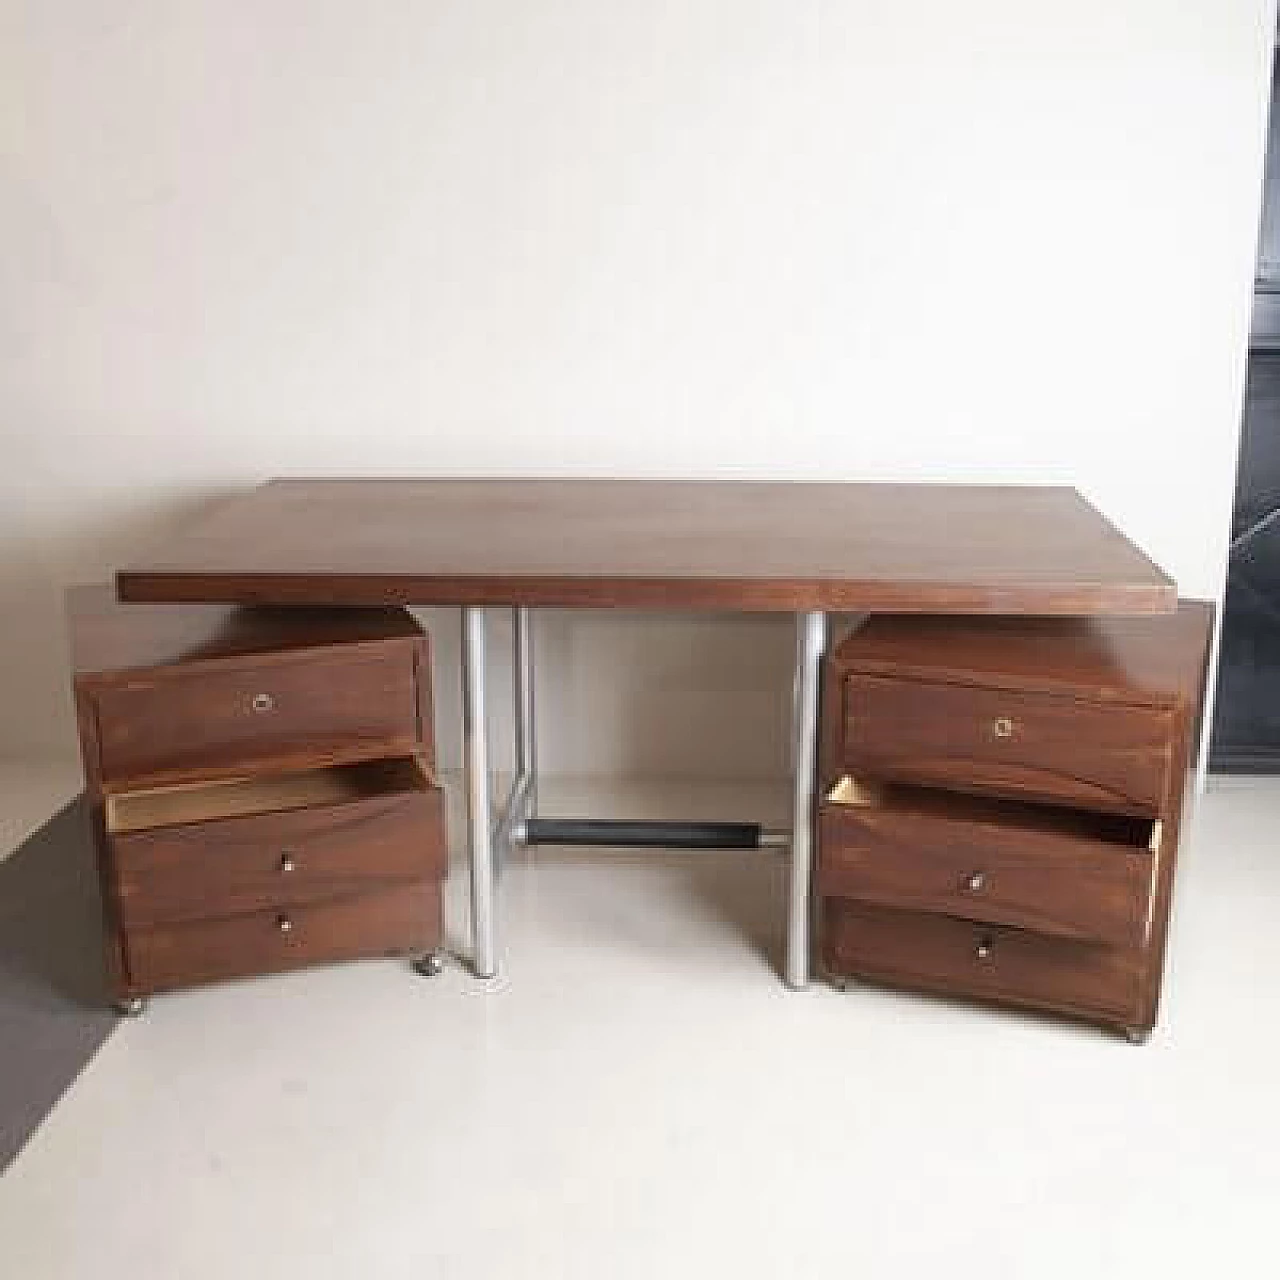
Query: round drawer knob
point(287, 863)
point(976, 882)
point(284, 924)
point(1002, 727)
point(984, 949)
point(263, 702)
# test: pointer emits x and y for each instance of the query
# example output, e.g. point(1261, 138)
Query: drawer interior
point(145, 809)
point(1016, 815)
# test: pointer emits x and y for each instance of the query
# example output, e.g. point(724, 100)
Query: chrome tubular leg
point(475, 732)
point(811, 642)
point(526, 730)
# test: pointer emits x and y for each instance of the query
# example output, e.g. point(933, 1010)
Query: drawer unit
point(960, 957)
point(228, 847)
point(1084, 876)
point(1008, 742)
point(213, 719)
point(261, 787)
point(400, 920)
point(1003, 806)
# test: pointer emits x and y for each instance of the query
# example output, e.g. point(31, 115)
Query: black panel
point(1258, 476)
point(1247, 716)
point(1246, 726)
point(1269, 231)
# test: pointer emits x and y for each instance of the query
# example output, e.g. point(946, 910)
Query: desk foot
point(430, 965)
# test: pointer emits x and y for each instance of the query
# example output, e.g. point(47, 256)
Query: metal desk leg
point(811, 643)
point(475, 731)
point(526, 730)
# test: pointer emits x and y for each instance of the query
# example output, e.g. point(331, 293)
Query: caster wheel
point(1137, 1035)
point(430, 965)
point(131, 1007)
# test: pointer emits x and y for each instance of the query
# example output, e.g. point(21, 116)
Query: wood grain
point(1103, 715)
point(1007, 742)
point(1153, 662)
point(346, 702)
point(1087, 877)
point(403, 919)
point(333, 773)
point(273, 860)
point(984, 961)
point(656, 544)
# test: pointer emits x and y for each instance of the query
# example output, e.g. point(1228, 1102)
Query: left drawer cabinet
point(261, 785)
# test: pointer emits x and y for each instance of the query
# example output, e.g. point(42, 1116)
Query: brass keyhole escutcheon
point(1002, 727)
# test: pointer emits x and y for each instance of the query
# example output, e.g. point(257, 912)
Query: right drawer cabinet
point(1002, 802)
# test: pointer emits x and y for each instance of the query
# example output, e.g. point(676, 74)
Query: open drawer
point(1039, 746)
point(215, 719)
point(249, 844)
point(1064, 872)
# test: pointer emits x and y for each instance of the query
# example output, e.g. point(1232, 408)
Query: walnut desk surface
point(805, 549)
point(784, 547)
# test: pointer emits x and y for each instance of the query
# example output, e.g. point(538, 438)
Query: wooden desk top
point(903, 548)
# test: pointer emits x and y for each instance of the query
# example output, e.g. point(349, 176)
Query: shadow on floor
point(746, 893)
point(53, 1005)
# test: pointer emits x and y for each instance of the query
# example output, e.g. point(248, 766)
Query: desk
point(802, 549)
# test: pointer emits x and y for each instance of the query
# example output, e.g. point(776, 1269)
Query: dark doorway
point(1246, 725)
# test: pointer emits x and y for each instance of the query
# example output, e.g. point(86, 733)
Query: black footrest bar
point(641, 834)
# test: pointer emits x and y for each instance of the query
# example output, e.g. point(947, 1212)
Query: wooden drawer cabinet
point(261, 785)
point(1002, 805)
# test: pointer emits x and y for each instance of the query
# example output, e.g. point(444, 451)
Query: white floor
point(639, 1096)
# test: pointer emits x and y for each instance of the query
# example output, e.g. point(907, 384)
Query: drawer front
point(956, 957)
point(1053, 884)
point(1096, 755)
point(211, 721)
point(390, 921)
point(257, 863)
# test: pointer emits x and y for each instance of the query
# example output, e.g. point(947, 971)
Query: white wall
point(989, 240)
